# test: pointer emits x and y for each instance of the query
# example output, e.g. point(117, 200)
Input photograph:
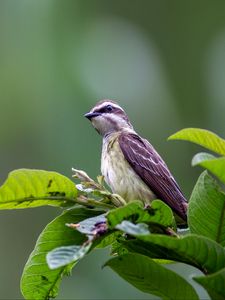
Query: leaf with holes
point(158, 213)
point(38, 281)
point(206, 212)
point(202, 137)
point(25, 188)
point(150, 277)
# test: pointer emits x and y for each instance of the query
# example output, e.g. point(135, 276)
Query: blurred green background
point(163, 61)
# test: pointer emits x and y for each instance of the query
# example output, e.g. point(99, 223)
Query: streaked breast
point(119, 175)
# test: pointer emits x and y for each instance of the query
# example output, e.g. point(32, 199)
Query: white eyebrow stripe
point(104, 104)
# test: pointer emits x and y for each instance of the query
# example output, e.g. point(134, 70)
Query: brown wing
point(147, 163)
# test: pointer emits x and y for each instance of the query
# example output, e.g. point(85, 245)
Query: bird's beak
point(91, 115)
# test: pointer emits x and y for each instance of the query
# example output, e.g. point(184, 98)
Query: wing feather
point(148, 164)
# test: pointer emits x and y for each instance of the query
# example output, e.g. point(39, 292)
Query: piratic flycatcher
point(130, 165)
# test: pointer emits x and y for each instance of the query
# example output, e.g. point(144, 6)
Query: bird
point(130, 165)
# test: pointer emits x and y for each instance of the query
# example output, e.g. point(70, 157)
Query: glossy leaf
point(214, 284)
point(201, 137)
point(213, 164)
point(198, 251)
point(150, 277)
point(206, 212)
point(133, 229)
point(26, 188)
point(38, 281)
point(63, 256)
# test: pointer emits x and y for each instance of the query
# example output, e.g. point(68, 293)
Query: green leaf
point(116, 216)
point(147, 249)
point(201, 157)
point(214, 284)
point(201, 252)
point(150, 277)
point(106, 240)
point(118, 249)
point(213, 164)
point(38, 281)
point(26, 188)
point(201, 137)
point(206, 213)
point(158, 213)
point(63, 256)
point(133, 229)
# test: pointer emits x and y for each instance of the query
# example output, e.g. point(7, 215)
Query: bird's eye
point(109, 108)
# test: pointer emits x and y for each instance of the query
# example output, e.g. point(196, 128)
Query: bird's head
point(108, 117)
